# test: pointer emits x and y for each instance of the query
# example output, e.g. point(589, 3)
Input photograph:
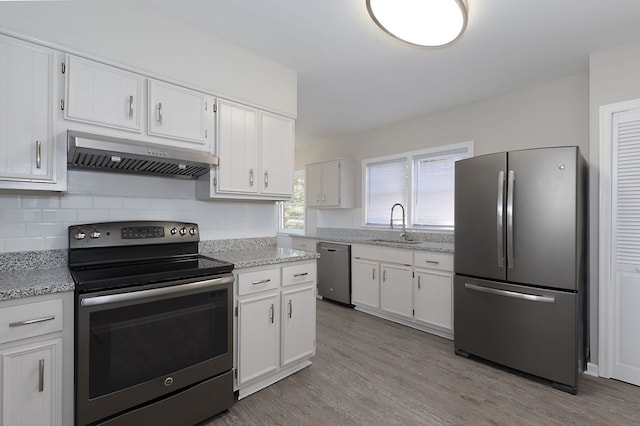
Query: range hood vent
point(105, 153)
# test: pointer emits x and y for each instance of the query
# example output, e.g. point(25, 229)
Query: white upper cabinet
point(103, 95)
point(330, 184)
point(178, 113)
point(276, 154)
point(256, 150)
point(237, 148)
point(28, 146)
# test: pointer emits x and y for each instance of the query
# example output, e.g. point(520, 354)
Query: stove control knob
point(192, 231)
point(173, 231)
point(183, 231)
point(79, 235)
point(95, 234)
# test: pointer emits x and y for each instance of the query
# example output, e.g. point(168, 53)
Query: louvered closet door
point(626, 246)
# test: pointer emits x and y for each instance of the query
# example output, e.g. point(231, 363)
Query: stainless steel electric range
point(153, 325)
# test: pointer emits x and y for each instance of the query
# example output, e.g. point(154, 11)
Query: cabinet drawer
point(253, 282)
point(433, 260)
point(29, 320)
point(382, 254)
point(298, 274)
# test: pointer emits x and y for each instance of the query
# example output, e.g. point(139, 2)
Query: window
point(422, 181)
point(291, 213)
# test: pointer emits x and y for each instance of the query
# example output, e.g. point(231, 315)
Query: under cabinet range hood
point(88, 151)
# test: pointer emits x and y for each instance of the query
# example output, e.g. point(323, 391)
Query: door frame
point(606, 278)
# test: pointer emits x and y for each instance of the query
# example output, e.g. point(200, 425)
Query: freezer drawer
point(529, 329)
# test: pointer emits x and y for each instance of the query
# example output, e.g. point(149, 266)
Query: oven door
point(136, 346)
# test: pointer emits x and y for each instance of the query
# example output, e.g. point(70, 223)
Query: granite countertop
point(440, 247)
point(262, 256)
point(34, 282)
point(25, 274)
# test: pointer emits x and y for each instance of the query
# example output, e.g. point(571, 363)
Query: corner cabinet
point(30, 155)
point(275, 324)
point(414, 288)
point(330, 184)
point(36, 361)
point(256, 151)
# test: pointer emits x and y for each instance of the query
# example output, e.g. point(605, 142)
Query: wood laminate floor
point(368, 371)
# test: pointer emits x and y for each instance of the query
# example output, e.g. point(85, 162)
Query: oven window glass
point(132, 344)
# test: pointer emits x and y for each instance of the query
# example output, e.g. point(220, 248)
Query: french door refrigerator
point(519, 260)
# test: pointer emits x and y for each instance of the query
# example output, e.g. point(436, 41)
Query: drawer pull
point(261, 281)
point(32, 321)
point(513, 294)
point(302, 274)
point(432, 262)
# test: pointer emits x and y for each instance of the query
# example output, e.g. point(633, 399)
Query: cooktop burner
point(128, 254)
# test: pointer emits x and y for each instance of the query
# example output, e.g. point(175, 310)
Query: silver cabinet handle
point(250, 177)
point(272, 313)
point(507, 293)
point(32, 321)
point(290, 309)
point(510, 184)
point(432, 262)
point(41, 375)
point(162, 291)
point(303, 274)
point(373, 273)
point(266, 280)
point(418, 282)
point(384, 275)
point(266, 179)
point(131, 107)
point(160, 113)
point(499, 220)
point(38, 154)
point(318, 199)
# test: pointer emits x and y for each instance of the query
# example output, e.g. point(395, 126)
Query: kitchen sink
point(381, 240)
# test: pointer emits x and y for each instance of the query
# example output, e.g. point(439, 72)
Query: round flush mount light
point(425, 23)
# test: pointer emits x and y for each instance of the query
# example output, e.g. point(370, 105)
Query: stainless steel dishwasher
point(334, 272)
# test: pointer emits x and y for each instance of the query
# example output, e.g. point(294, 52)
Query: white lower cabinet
point(31, 383)
point(258, 336)
point(396, 290)
point(414, 288)
point(275, 332)
point(36, 360)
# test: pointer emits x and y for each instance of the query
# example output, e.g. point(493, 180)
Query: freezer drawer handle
point(507, 293)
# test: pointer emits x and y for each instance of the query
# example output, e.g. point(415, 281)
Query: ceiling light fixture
point(424, 23)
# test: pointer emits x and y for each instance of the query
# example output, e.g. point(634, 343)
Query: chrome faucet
point(404, 225)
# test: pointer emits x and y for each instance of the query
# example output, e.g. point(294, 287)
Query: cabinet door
point(258, 336)
point(433, 298)
point(396, 295)
point(331, 184)
point(26, 136)
point(298, 324)
point(237, 148)
point(365, 283)
point(31, 384)
point(178, 113)
point(313, 185)
point(276, 153)
point(104, 95)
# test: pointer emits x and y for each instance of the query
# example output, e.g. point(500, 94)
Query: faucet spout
point(404, 225)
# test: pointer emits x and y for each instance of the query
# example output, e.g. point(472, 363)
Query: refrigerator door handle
point(500, 214)
point(510, 184)
point(513, 294)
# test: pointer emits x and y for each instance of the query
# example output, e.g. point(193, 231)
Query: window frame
point(281, 204)
point(410, 159)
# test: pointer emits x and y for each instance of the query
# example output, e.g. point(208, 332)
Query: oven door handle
point(136, 295)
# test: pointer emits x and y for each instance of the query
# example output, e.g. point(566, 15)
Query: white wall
point(131, 34)
point(614, 76)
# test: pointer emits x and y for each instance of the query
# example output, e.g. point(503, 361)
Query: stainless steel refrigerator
point(520, 261)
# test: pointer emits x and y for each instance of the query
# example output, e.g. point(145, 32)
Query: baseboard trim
point(408, 323)
point(592, 370)
point(247, 390)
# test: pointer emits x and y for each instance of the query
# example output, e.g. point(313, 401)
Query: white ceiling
point(352, 77)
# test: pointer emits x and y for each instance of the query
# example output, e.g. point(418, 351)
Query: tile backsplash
point(39, 221)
